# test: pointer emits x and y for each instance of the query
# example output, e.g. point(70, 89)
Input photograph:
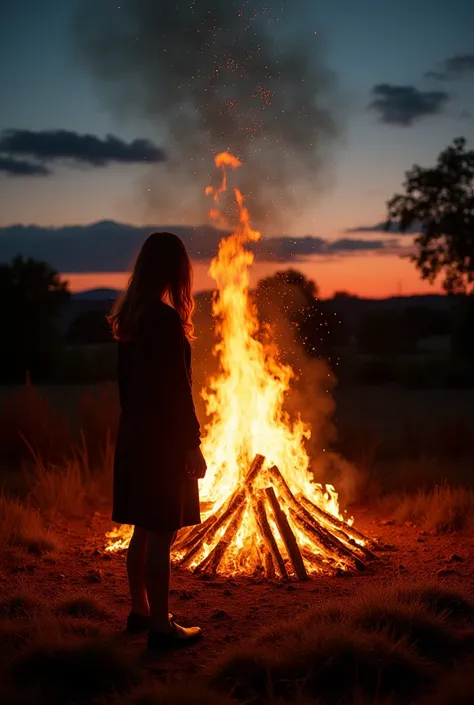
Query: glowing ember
point(264, 513)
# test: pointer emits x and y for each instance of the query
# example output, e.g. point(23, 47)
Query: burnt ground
point(229, 610)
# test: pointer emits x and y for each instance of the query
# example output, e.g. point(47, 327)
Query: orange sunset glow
point(367, 276)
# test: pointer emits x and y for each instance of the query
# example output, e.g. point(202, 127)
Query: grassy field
point(400, 634)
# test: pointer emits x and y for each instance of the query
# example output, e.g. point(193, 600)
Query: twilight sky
point(402, 91)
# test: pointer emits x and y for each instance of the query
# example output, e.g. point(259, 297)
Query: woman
point(158, 459)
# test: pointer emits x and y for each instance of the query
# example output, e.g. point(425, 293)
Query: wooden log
point(335, 550)
point(255, 468)
point(211, 563)
point(335, 522)
point(237, 501)
point(331, 543)
point(198, 534)
point(268, 564)
point(314, 560)
point(267, 536)
point(199, 531)
point(191, 543)
point(287, 535)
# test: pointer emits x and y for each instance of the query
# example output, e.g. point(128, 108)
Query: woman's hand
point(196, 464)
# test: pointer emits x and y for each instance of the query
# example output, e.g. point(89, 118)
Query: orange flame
point(245, 402)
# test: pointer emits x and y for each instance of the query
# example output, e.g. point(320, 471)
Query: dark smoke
point(215, 75)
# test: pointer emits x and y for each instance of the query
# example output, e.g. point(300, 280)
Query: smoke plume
point(213, 75)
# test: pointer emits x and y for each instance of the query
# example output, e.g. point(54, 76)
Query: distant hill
point(351, 308)
point(97, 295)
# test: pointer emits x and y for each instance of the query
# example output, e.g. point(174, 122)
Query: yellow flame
point(246, 399)
point(246, 404)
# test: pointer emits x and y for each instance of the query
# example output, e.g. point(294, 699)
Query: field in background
point(400, 632)
point(393, 439)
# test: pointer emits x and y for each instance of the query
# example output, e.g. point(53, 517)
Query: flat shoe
point(137, 623)
point(179, 636)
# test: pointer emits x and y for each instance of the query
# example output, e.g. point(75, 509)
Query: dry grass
point(456, 688)
point(381, 645)
point(82, 606)
point(28, 420)
point(453, 605)
point(427, 633)
point(377, 649)
point(175, 695)
point(71, 670)
point(68, 487)
point(324, 661)
point(20, 605)
point(22, 525)
point(59, 657)
point(59, 489)
point(98, 418)
point(443, 509)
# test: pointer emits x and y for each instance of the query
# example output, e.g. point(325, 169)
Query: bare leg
point(158, 578)
point(136, 570)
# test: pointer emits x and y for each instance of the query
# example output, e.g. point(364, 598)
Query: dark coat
point(158, 425)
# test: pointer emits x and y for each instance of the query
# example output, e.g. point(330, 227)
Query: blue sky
point(44, 85)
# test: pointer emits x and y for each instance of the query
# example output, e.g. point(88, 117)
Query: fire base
point(325, 544)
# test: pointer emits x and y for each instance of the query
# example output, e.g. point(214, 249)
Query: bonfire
point(264, 514)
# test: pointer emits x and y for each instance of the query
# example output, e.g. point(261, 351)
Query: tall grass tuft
point(326, 661)
point(66, 488)
point(443, 509)
point(98, 418)
point(82, 607)
point(28, 421)
point(21, 525)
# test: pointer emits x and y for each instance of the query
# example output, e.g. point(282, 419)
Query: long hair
point(162, 272)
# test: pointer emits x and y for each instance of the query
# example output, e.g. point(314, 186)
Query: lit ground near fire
point(230, 611)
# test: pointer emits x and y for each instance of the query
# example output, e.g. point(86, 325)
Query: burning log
point(263, 525)
point(332, 545)
point(335, 523)
point(329, 543)
point(209, 533)
point(212, 561)
point(266, 535)
point(287, 535)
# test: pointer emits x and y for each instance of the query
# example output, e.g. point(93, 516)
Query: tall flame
point(246, 399)
point(246, 404)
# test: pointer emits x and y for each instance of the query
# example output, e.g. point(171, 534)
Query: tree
point(440, 200)
point(32, 295)
point(288, 302)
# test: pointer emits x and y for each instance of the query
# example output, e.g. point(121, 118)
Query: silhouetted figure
point(158, 460)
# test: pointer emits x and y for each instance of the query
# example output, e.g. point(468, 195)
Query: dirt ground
point(230, 610)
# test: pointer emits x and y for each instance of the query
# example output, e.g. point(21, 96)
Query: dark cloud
point(21, 167)
point(47, 146)
point(405, 105)
point(112, 247)
point(348, 245)
point(237, 75)
point(382, 228)
point(453, 68)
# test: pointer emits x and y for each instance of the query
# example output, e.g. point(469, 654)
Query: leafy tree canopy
point(440, 200)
